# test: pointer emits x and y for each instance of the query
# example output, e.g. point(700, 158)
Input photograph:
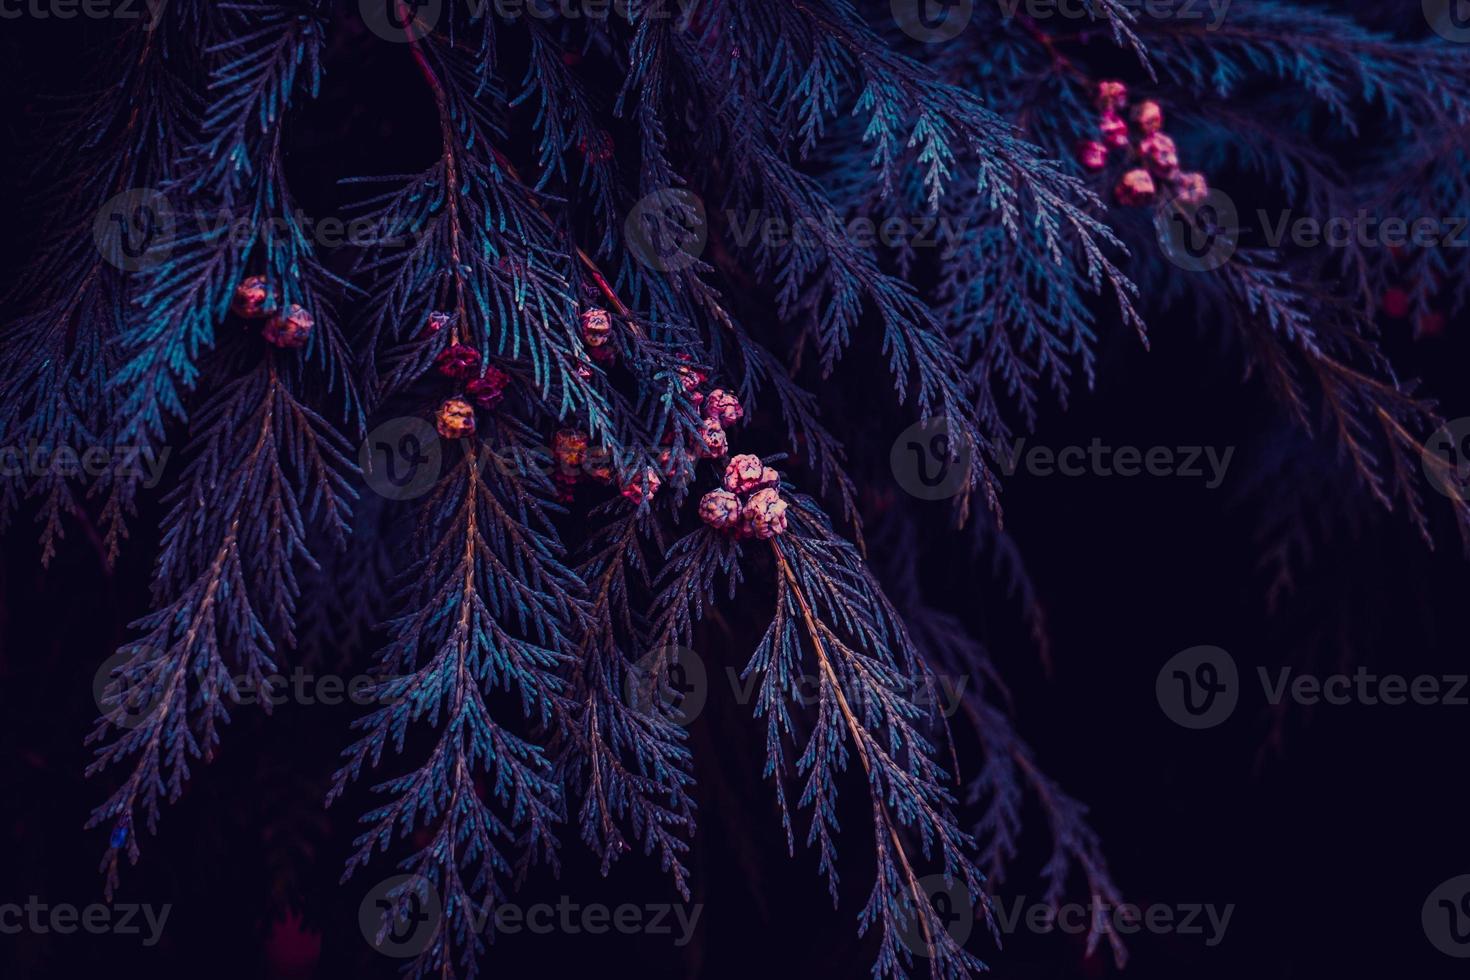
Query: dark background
point(1326, 828)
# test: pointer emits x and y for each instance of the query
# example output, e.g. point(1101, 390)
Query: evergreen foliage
point(516, 641)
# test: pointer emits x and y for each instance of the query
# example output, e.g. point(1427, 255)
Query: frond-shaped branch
point(490, 614)
point(225, 589)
